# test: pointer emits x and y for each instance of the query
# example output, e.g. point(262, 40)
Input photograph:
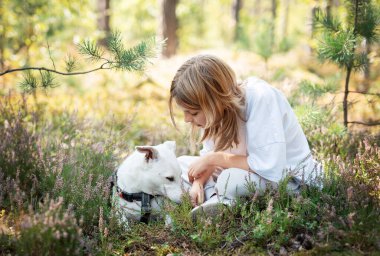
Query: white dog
point(144, 178)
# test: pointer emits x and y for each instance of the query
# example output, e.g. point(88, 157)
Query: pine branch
point(338, 47)
point(133, 59)
point(55, 71)
point(70, 64)
point(323, 21)
point(91, 49)
point(47, 79)
point(51, 58)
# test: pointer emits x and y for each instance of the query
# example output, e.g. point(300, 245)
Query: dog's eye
point(171, 178)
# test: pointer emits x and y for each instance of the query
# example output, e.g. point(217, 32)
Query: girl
point(249, 133)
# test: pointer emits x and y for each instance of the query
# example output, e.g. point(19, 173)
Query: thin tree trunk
point(169, 27)
point(367, 70)
point(257, 8)
point(2, 37)
point(104, 20)
point(349, 69)
point(274, 9)
point(285, 19)
point(274, 16)
point(236, 7)
point(329, 4)
point(345, 99)
point(314, 12)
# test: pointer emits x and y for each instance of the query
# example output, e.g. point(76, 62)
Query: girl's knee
point(231, 183)
point(234, 182)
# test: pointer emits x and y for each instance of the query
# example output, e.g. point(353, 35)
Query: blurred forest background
point(275, 40)
point(62, 133)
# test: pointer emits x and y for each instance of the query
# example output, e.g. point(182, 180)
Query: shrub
point(51, 230)
point(21, 159)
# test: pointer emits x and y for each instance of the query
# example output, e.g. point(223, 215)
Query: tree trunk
point(104, 20)
point(2, 37)
point(274, 9)
point(314, 12)
point(274, 16)
point(236, 7)
point(364, 87)
point(329, 4)
point(285, 19)
point(345, 99)
point(257, 8)
point(169, 27)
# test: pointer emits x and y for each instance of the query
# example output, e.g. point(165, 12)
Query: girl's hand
point(199, 168)
point(196, 192)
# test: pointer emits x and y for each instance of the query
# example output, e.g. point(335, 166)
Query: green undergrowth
point(54, 193)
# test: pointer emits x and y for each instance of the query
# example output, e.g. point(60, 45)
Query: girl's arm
point(227, 160)
point(204, 167)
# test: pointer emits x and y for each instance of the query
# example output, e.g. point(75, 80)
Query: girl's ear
point(170, 144)
point(149, 151)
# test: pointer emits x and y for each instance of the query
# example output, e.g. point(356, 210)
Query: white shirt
point(271, 138)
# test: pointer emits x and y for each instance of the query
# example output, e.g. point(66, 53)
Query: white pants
point(231, 183)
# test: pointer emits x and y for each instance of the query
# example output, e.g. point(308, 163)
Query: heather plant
point(38, 160)
point(51, 230)
point(21, 158)
point(77, 156)
point(340, 216)
point(83, 181)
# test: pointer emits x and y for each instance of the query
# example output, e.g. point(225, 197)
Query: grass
point(55, 162)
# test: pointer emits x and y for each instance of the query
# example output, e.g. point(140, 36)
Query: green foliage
point(78, 161)
point(338, 47)
point(367, 19)
point(22, 167)
point(22, 43)
point(133, 59)
point(264, 41)
point(314, 90)
point(50, 231)
point(70, 64)
point(339, 43)
point(29, 82)
point(91, 49)
point(323, 21)
point(286, 44)
point(119, 58)
point(47, 79)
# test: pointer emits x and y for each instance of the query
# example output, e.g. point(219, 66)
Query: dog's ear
point(170, 144)
point(149, 151)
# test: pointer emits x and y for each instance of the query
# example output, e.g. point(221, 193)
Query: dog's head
point(160, 171)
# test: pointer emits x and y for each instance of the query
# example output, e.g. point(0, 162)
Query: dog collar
point(142, 197)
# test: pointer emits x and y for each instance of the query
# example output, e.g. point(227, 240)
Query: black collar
point(142, 197)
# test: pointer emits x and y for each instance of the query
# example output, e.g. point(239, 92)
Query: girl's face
point(195, 117)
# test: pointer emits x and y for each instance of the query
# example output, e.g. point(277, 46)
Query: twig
point(48, 47)
point(55, 71)
point(367, 124)
point(366, 93)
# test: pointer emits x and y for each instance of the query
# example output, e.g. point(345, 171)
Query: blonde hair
point(207, 83)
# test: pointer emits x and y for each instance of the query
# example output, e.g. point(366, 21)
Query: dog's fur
point(150, 169)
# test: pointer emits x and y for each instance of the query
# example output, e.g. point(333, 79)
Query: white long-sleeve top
point(271, 138)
